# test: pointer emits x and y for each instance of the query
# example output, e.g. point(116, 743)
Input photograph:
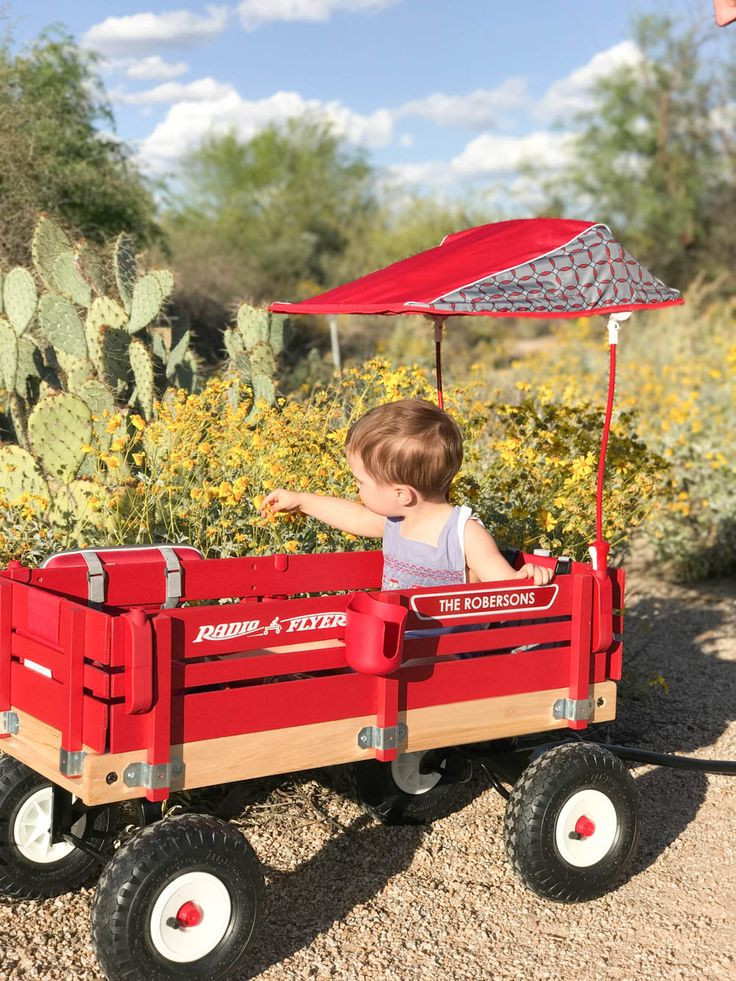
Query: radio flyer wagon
point(123, 678)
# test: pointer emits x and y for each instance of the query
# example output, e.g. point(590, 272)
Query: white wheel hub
point(407, 776)
point(32, 829)
point(190, 917)
point(586, 828)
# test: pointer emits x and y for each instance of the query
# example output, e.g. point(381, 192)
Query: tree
point(58, 151)
point(263, 219)
point(653, 157)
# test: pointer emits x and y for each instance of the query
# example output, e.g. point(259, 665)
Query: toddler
point(404, 456)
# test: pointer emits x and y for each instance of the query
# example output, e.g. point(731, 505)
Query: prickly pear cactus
point(19, 298)
point(165, 280)
point(30, 368)
point(125, 268)
point(177, 354)
point(101, 404)
point(90, 266)
point(61, 325)
point(8, 355)
point(49, 242)
point(142, 365)
point(70, 282)
point(253, 348)
point(115, 358)
point(59, 428)
point(76, 370)
point(146, 303)
point(20, 474)
point(76, 506)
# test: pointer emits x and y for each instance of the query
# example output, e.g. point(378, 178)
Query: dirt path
point(350, 899)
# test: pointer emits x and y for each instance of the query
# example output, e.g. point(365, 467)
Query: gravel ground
point(347, 898)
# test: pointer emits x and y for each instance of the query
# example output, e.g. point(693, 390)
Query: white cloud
point(139, 33)
point(253, 13)
point(574, 92)
point(496, 154)
point(189, 120)
point(155, 67)
point(201, 90)
point(477, 110)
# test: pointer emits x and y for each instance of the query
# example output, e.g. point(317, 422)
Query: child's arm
point(486, 562)
point(349, 516)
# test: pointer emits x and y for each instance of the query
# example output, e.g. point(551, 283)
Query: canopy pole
point(439, 323)
point(599, 549)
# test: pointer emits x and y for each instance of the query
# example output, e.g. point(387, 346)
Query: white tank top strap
point(465, 515)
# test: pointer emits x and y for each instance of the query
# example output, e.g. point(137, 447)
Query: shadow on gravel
point(675, 639)
point(352, 868)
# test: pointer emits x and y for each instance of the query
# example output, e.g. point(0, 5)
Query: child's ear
point(405, 495)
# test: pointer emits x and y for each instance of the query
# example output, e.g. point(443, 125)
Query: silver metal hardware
point(9, 723)
point(373, 737)
point(155, 776)
point(70, 764)
point(95, 577)
point(573, 709)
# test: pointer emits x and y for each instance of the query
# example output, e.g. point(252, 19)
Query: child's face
point(380, 498)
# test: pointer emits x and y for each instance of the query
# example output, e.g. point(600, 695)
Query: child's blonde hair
point(409, 442)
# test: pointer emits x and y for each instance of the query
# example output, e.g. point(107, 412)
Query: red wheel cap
point(190, 915)
point(584, 828)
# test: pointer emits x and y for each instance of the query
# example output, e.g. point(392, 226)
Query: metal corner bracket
point(153, 776)
point(71, 763)
point(573, 709)
point(9, 723)
point(373, 737)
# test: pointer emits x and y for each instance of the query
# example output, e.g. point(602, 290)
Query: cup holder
point(374, 634)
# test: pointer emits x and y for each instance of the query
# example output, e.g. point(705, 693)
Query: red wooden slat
point(232, 669)
point(158, 741)
point(72, 637)
point(494, 639)
point(200, 631)
point(581, 654)
point(6, 630)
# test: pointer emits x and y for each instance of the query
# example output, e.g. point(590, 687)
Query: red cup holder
point(374, 634)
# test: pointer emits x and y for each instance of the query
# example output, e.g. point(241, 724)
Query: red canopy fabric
point(529, 267)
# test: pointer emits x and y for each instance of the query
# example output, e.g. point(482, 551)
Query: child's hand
point(539, 573)
point(280, 500)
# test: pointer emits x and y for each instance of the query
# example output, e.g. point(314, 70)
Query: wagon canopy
point(527, 267)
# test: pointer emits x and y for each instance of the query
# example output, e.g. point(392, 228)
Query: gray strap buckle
point(95, 577)
point(173, 576)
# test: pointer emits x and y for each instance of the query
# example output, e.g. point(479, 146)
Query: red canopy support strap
point(439, 323)
point(599, 548)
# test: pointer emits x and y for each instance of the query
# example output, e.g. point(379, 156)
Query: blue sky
point(441, 93)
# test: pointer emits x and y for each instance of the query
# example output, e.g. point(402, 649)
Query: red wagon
point(127, 674)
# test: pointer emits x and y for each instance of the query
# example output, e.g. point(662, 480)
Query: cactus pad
point(61, 324)
point(235, 348)
point(58, 429)
point(115, 360)
point(165, 280)
point(124, 263)
point(90, 266)
point(76, 506)
point(70, 283)
point(19, 474)
point(142, 365)
point(146, 303)
point(19, 298)
point(177, 354)
point(30, 365)
point(8, 355)
point(76, 370)
point(49, 242)
point(253, 324)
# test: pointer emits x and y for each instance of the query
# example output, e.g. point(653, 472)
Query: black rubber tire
point(137, 874)
point(22, 878)
point(371, 784)
point(535, 804)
